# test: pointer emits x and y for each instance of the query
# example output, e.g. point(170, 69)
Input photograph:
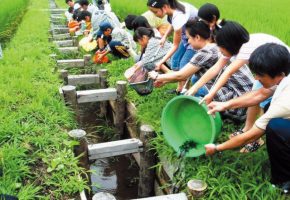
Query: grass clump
point(35, 152)
point(10, 17)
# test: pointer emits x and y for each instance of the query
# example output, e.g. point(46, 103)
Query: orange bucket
point(105, 59)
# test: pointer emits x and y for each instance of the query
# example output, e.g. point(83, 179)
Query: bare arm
point(240, 140)
point(176, 41)
point(181, 75)
point(209, 75)
point(247, 100)
point(168, 31)
point(250, 98)
point(252, 135)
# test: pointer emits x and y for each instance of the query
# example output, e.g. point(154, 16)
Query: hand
point(158, 66)
point(215, 106)
point(207, 99)
point(210, 149)
point(100, 57)
point(159, 83)
point(162, 41)
point(153, 75)
point(191, 92)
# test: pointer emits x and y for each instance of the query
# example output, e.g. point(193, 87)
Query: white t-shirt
point(92, 8)
point(179, 18)
point(257, 40)
point(280, 104)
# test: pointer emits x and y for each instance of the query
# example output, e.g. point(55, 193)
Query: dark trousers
point(118, 49)
point(278, 146)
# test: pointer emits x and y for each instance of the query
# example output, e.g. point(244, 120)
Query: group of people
point(243, 76)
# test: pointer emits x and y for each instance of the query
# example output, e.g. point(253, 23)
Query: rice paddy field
point(35, 152)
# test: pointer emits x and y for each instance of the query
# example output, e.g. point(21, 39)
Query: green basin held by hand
point(184, 119)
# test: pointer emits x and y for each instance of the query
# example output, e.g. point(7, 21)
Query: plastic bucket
point(183, 119)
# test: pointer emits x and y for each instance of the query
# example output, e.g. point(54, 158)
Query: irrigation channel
point(112, 147)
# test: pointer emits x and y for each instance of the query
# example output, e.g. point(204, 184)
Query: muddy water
point(115, 175)
point(118, 176)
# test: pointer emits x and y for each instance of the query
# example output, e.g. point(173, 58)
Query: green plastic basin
point(183, 119)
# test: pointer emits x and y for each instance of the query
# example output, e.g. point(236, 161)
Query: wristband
point(215, 148)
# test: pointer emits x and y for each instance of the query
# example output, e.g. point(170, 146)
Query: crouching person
point(271, 64)
point(114, 40)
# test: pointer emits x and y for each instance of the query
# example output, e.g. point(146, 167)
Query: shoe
point(173, 91)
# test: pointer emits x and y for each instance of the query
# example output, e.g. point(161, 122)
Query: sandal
point(253, 146)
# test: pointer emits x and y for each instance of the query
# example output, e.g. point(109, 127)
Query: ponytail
point(174, 4)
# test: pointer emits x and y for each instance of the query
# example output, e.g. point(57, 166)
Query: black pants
point(278, 146)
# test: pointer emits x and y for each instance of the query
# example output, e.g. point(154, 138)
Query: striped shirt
point(238, 84)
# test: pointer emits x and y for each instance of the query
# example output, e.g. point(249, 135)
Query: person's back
point(100, 16)
point(257, 40)
point(154, 53)
point(123, 36)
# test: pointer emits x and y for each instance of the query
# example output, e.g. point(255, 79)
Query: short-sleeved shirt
point(205, 58)
point(154, 21)
point(179, 19)
point(280, 104)
point(257, 40)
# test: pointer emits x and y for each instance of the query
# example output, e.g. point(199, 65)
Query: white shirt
point(179, 18)
point(280, 104)
point(257, 40)
point(92, 8)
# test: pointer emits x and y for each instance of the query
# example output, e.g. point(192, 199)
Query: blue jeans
point(202, 91)
point(257, 85)
point(181, 57)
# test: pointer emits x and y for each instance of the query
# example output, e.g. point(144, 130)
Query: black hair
point(231, 36)
point(271, 59)
point(76, 14)
point(143, 31)
point(140, 21)
point(70, 9)
point(209, 12)
point(129, 21)
point(84, 2)
point(66, 1)
point(83, 14)
point(174, 4)
point(198, 27)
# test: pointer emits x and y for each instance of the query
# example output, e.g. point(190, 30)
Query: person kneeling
point(115, 41)
point(270, 63)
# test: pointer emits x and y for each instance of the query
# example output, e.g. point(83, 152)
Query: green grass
point(265, 16)
point(230, 175)
point(10, 16)
point(35, 152)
